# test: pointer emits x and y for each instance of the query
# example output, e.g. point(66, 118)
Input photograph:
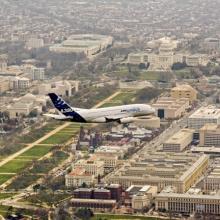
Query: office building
point(78, 177)
point(204, 115)
point(4, 84)
point(212, 180)
point(116, 191)
point(171, 108)
point(34, 43)
point(62, 88)
point(179, 141)
point(161, 169)
point(184, 91)
point(95, 204)
point(197, 60)
point(209, 135)
point(38, 74)
point(188, 203)
point(93, 167)
point(87, 44)
point(139, 196)
point(101, 194)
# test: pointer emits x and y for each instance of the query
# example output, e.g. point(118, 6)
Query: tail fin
point(64, 108)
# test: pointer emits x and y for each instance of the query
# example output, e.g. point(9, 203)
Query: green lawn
point(35, 134)
point(7, 209)
point(109, 104)
point(37, 151)
point(14, 166)
point(5, 177)
point(121, 99)
point(47, 198)
point(119, 217)
point(7, 195)
point(58, 138)
point(124, 97)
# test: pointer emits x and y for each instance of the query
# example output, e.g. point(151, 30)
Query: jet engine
point(127, 120)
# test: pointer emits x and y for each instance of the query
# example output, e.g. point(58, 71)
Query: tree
point(84, 213)
point(33, 113)
point(142, 66)
point(178, 66)
point(84, 185)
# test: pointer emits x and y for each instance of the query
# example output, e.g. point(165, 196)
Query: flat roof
point(206, 149)
point(190, 196)
point(178, 137)
point(206, 113)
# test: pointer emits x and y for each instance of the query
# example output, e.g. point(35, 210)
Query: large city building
point(209, 135)
point(171, 108)
point(78, 177)
point(24, 105)
point(139, 196)
point(196, 60)
point(93, 167)
point(188, 203)
point(203, 116)
point(184, 91)
point(211, 44)
point(34, 43)
point(4, 84)
point(110, 161)
point(212, 180)
point(88, 44)
point(161, 169)
point(62, 88)
point(179, 141)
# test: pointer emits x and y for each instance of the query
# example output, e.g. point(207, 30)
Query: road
point(14, 202)
point(107, 99)
point(29, 146)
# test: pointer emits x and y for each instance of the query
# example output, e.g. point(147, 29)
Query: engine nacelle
point(127, 120)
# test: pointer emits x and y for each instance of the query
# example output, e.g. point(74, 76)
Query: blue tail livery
point(64, 108)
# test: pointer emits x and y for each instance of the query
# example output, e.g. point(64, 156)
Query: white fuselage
point(100, 115)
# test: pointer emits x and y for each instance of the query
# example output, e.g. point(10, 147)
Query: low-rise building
point(209, 135)
point(184, 91)
point(95, 204)
point(140, 197)
point(188, 203)
point(179, 141)
point(93, 167)
point(78, 177)
point(63, 88)
point(87, 44)
point(212, 180)
point(204, 115)
point(171, 108)
point(4, 84)
point(34, 43)
point(196, 60)
point(110, 161)
point(161, 169)
point(25, 104)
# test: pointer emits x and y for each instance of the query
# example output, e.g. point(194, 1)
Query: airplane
point(121, 114)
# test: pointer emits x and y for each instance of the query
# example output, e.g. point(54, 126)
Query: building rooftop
point(206, 113)
point(190, 196)
point(179, 137)
point(210, 127)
